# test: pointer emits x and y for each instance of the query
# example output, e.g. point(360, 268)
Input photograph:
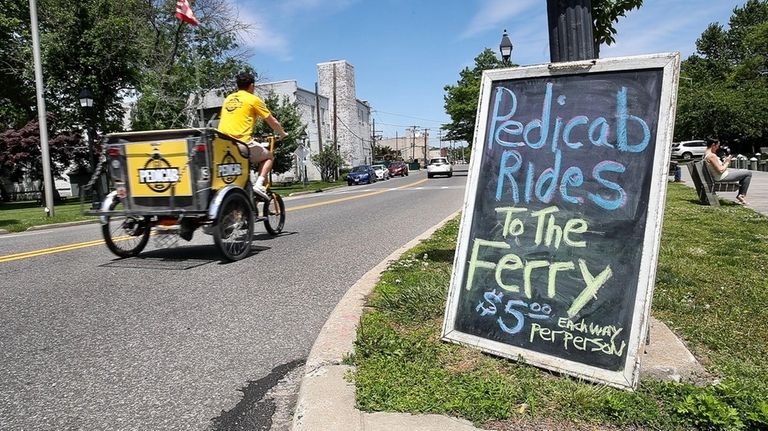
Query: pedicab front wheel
point(234, 228)
point(274, 214)
point(125, 236)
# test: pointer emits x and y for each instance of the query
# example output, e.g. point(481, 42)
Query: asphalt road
point(179, 340)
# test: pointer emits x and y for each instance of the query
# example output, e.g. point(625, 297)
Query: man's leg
point(266, 166)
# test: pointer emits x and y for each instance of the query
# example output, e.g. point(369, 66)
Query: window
point(312, 109)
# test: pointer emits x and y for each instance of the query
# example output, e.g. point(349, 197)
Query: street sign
point(558, 244)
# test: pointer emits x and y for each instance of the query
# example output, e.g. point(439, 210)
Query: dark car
point(361, 174)
point(398, 168)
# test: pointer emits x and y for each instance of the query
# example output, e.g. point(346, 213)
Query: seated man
point(238, 116)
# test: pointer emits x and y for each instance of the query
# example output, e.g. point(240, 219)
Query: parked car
point(398, 168)
point(382, 173)
point(687, 150)
point(361, 174)
point(439, 166)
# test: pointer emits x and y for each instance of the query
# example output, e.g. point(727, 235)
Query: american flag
point(184, 12)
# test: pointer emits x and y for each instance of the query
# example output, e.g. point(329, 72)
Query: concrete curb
point(326, 400)
point(58, 225)
point(3, 232)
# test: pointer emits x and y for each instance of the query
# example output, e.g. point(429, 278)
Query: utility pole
point(440, 141)
point(426, 150)
point(413, 143)
point(335, 134)
point(319, 121)
point(373, 138)
point(41, 115)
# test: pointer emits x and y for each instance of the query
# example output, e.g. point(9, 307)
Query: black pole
point(570, 30)
point(96, 190)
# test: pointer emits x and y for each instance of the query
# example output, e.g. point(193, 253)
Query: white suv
point(687, 150)
point(439, 166)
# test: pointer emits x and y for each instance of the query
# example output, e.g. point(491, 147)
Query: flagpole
point(201, 96)
point(41, 113)
point(184, 13)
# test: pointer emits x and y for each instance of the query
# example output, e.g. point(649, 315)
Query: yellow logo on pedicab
point(229, 169)
point(158, 174)
point(230, 164)
point(157, 168)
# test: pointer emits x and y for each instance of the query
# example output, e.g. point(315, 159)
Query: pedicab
point(171, 182)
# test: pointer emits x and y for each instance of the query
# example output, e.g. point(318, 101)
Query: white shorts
point(258, 153)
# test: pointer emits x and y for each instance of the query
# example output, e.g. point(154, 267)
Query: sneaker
point(261, 191)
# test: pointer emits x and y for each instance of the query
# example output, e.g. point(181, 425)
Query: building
point(350, 117)
point(411, 147)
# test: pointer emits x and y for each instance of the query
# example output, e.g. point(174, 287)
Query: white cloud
point(494, 12)
point(265, 38)
point(262, 38)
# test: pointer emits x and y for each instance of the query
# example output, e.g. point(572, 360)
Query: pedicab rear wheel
point(127, 236)
point(234, 227)
point(274, 214)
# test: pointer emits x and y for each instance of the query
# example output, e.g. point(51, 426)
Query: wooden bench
point(706, 186)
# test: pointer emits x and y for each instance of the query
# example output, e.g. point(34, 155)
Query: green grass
point(299, 187)
point(18, 216)
point(711, 289)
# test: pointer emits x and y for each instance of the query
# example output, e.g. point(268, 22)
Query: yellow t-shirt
point(238, 114)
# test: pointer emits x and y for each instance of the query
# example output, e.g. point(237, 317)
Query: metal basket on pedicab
point(168, 183)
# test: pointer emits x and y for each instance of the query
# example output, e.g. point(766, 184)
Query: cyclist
point(238, 116)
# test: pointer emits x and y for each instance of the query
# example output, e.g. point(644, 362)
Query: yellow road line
point(59, 249)
point(69, 247)
point(349, 198)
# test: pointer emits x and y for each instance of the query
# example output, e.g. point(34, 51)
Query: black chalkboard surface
point(560, 232)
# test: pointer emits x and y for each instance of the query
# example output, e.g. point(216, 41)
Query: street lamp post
point(505, 48)
point(86, 103)
point(305, 149)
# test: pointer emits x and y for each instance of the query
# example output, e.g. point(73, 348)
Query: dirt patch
point(543, 424)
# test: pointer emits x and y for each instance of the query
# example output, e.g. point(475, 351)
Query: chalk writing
point(516, 308)
point(602, 342)
point(513, 173)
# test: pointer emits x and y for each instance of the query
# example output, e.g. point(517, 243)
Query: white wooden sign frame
point(627, 377)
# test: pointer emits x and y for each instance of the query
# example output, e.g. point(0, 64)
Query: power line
point(409, 116)
point(353, 133)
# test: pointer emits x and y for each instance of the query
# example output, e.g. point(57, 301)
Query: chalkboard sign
point(557, 249)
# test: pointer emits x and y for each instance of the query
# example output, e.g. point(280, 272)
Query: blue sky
point(405, 52)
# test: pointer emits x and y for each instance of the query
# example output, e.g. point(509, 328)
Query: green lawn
point(18, 216)
point(711, 289)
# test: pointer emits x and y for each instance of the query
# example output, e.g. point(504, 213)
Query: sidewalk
point(327, 398)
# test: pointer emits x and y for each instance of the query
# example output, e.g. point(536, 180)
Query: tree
point(724, 88)
point(328, 161)
point(20, 152)
point(287, 113)
point(17, 94)
point(461, 99)
point(181, 63)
